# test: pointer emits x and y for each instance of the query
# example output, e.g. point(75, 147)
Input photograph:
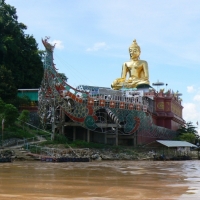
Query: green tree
point(24, 117)
point(188, 132)
point(7, 85)
point(189, 137)
point(2, 105)
point(18, 101)
point(187, 128)
point(10, 114)
point(19, 51)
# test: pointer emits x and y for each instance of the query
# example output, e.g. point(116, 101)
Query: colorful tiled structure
point(126, 116)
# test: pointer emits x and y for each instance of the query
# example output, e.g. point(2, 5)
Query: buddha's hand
point(131, 79)
point(119, 80)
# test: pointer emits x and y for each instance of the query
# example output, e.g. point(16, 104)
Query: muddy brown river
point(100, 180)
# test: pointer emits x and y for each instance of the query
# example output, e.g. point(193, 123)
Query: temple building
point(132, 112)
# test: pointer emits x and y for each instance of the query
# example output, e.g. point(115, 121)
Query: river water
point(161, 180)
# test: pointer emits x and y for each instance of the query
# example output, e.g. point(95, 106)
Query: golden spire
point(134, 45)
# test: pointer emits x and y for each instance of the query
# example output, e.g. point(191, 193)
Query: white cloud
point(58, 44)
point(190, 89)
point(198, 130)
point(190, 112)
point(197, 97)
point(97, 46)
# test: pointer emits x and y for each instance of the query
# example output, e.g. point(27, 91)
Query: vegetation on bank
point(16, 132)
point(188, 132)
point(21, 60)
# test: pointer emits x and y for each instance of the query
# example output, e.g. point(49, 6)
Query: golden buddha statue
point(136, 69)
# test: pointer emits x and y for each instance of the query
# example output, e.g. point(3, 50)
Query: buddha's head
point(134, 50)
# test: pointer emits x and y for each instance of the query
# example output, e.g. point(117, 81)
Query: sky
point(93, 36)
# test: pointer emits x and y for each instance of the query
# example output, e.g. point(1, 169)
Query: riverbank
point(109, 154)
point(93, 154)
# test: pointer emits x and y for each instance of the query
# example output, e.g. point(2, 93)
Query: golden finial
point(134, 45)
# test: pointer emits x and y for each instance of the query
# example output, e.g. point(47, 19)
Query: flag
point(3, 124)
point(197, 123)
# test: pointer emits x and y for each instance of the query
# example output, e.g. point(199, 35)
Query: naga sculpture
point(122, 112)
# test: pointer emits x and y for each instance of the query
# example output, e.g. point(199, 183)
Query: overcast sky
point(93, 36)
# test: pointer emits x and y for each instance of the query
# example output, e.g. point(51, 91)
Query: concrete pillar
point(53, 126)
point(135, 139)
point(62, 119)
point(116, 131)
point(63, 129)
point(105, 138)
point(74, 133)
point(88, 135)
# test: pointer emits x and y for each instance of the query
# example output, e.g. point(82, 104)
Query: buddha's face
point(134, 52)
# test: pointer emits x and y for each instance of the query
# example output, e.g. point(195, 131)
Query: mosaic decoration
point(93, 109)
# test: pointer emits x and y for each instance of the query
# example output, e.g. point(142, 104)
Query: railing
point(21, 142)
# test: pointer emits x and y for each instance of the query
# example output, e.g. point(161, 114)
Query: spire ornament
point(134, 45)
